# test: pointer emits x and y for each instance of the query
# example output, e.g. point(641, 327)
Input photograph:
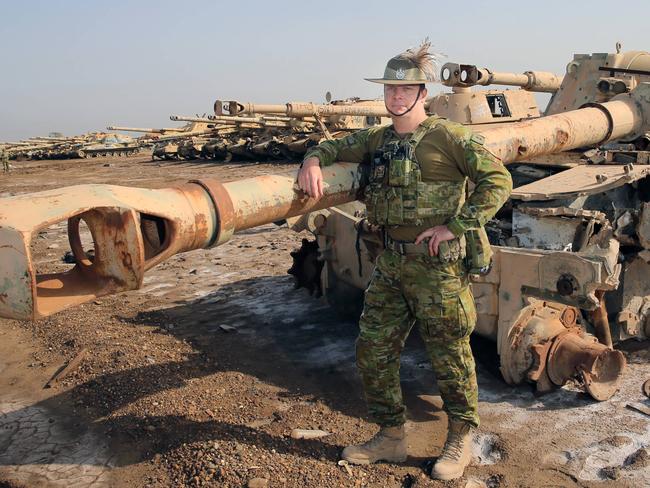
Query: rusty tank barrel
point(134, 229)
point(467, 75)
point(304, 109)
point(625, 116)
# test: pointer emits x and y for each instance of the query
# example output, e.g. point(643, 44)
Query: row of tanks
point(57, 146)
point(571, 247)
point(261, 132)
point(244, 131)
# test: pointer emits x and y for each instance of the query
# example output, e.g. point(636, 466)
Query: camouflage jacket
point(448, 152)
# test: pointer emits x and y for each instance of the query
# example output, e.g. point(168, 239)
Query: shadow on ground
point(281, 337)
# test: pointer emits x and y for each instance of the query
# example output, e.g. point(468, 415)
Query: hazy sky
point(73, 66)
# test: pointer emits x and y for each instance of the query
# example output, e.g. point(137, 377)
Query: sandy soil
point(199, 378)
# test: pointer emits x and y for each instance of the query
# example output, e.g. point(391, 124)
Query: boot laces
point(453, 449)
point(377, 439)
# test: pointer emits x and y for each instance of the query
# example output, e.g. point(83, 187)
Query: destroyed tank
point(50, 147)
point(166, 142)
point(580, 206)
point(102, 145)
point(544, 303)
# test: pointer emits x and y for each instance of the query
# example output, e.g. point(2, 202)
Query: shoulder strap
point(423, 129)
point(378, 135)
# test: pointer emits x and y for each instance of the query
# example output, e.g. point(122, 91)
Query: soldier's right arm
point(351, 149)
point(354, 148)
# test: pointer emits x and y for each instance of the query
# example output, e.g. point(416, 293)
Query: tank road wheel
point(306, 268)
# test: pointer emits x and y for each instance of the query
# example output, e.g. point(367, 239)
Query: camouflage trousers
point(417, 289)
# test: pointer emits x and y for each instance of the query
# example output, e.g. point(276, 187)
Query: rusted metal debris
point(546, 346)
point(601, 322)
point(580, 181)
point(67, 368)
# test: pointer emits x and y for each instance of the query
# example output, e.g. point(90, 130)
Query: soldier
point(5, 160)
point(418, 168)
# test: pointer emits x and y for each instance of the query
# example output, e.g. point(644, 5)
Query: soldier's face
point(400, 98)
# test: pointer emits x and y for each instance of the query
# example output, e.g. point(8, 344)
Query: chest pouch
point(400, 163)
point(378, 168)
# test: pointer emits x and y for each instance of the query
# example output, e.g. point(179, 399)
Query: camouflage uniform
point(413, 287)
point(5, 161)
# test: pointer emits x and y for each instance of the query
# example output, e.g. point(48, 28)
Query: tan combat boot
point(457, 452)
point(389, 444)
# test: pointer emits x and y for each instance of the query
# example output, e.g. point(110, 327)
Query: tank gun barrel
point(302, 109)
point(627, 115)
point(233, 107)
point(467, 75)
point(55, 139)
point(265, 121)
point(134, 229)
point(47, 138)
point(264, 118)
point(183, 135)
point(145, 130)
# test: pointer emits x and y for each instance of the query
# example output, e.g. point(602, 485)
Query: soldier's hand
point(436, 235)
point(310, 178)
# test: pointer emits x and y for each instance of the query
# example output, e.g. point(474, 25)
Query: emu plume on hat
point(413, 66)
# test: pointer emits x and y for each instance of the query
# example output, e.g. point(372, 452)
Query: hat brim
point(385, 81)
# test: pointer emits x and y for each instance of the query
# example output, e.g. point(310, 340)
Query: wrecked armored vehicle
point(167, 143)
point(282, 132)
point(572, 243)
point(244, 131)
point(539, 303)
point(92, 144)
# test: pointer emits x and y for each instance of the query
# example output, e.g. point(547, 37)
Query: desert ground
point(199, 378)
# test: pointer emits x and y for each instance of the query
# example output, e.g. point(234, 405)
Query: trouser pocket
point(452, 315)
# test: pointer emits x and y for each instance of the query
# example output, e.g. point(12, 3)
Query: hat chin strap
point(417, 98)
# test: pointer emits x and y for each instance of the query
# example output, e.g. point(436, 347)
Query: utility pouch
point(479, 252)
point(399, 172)
point(450, 251)
point(377, 169)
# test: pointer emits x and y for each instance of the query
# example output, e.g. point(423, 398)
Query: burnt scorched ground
point(199, 378)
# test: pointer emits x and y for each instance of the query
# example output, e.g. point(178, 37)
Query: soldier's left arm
point(492, 179)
